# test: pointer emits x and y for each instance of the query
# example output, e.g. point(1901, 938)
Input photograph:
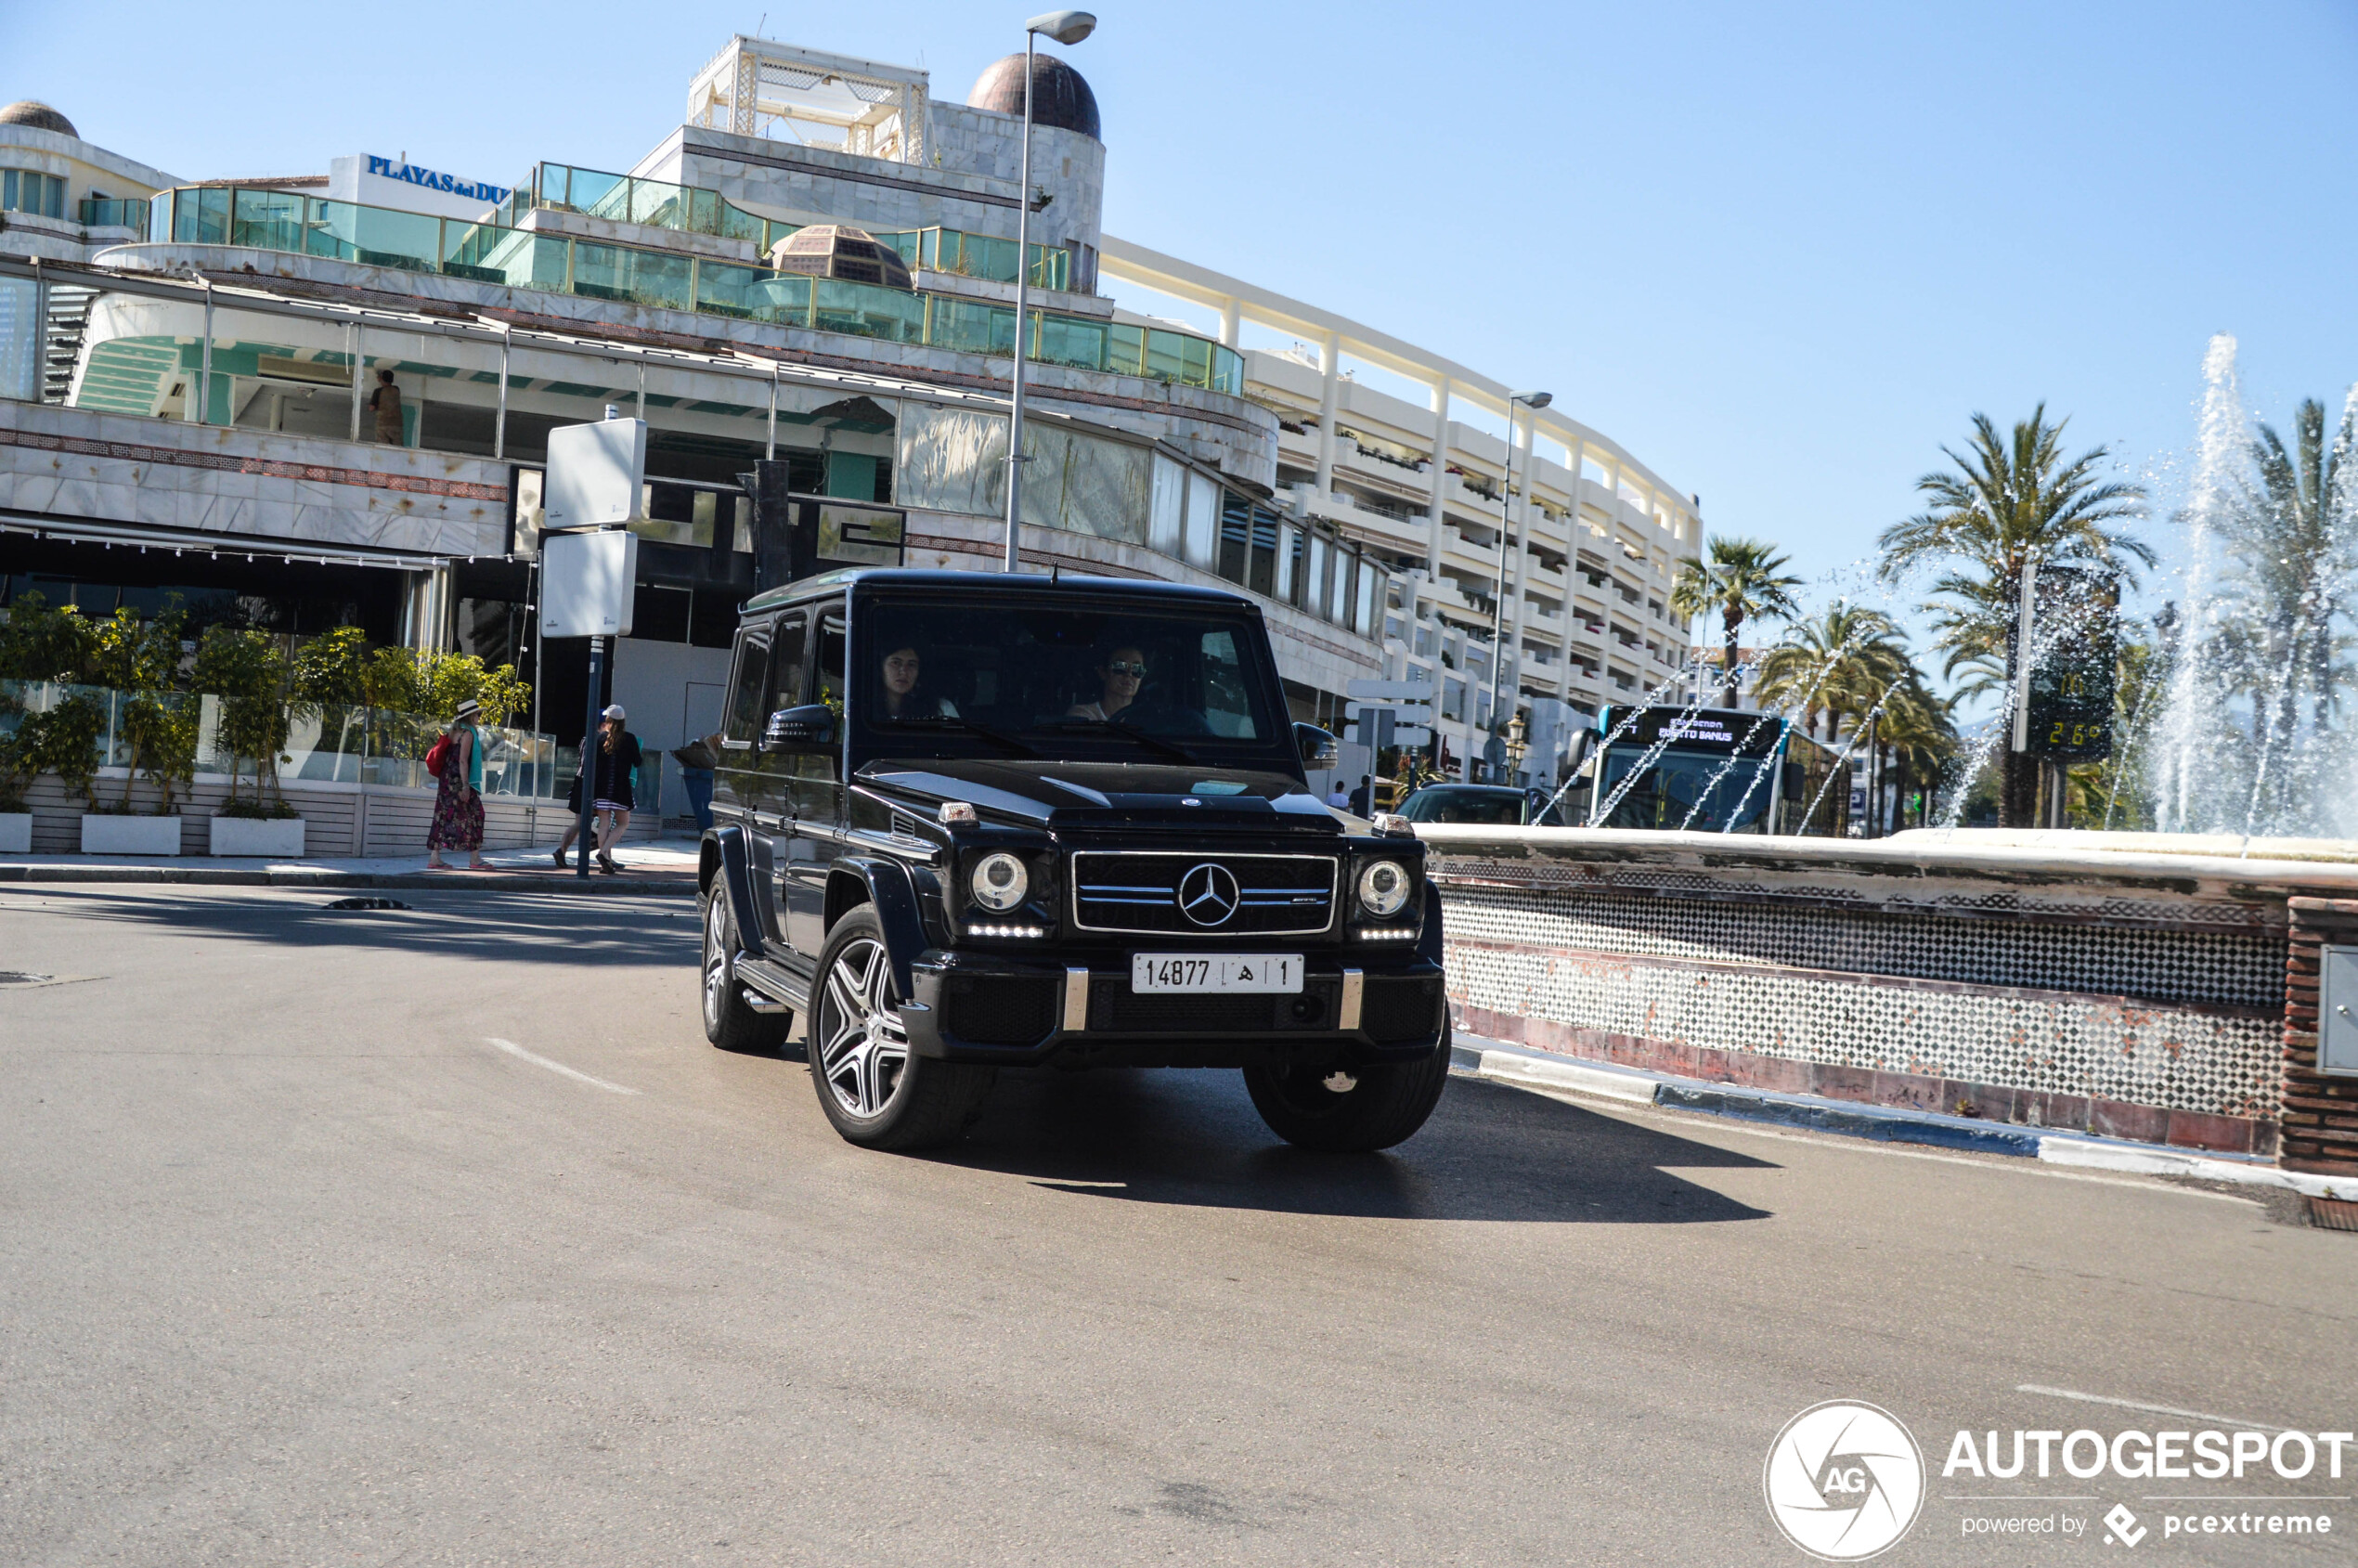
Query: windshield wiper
point(987, 731)
point(1172, 749)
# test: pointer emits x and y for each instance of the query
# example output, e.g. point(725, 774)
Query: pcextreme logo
point(1844, 1481)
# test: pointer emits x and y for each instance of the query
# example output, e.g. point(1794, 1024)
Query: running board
point(773, 981)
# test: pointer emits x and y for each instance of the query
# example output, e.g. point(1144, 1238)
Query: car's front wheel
point(1350, 1111)
point(877, 1091)
point(729, 1020)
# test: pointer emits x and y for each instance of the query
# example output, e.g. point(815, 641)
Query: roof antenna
point(1055, 569)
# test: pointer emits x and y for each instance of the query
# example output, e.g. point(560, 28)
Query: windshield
point(1670, 787)
point(971, 678)
point(1489, 808)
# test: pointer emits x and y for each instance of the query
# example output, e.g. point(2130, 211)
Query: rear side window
point(747, 685)
point(831, 657)
point(785, 661)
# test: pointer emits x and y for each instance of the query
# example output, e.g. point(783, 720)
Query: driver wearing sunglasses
point(1120, 675)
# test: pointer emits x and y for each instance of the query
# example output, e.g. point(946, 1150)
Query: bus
point(1751, 772)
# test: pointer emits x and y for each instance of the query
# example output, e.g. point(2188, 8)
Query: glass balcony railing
point(106, 212)
point(521, 258)
point(628, 199)
point(981, 255)
point(693, 210)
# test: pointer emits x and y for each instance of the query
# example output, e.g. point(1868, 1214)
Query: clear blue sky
point(1781, 252)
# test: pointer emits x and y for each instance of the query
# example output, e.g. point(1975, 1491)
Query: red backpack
point(438, 755)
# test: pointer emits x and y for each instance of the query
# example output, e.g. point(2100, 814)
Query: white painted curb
point(2058, 1151)
point(1529, 1072)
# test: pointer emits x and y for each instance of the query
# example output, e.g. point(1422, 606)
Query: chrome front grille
point(1177, 893)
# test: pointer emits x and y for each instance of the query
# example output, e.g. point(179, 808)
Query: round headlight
point(999, 882)
point(1384, 887)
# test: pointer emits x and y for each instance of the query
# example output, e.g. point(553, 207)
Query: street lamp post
point(1065, 27)
point(1494, 754)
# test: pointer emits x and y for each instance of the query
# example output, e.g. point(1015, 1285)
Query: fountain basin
point(2135, 991)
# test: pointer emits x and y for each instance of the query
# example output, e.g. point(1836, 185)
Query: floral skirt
point(458, 818)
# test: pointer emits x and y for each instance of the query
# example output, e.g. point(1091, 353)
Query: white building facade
point(203, 381)
point(1591, 550)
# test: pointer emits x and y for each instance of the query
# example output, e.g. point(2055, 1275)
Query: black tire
point(730, 1021)
point(878, 1092)
point(1385, 1107)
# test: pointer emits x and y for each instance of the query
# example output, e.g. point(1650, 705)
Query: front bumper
point(1353, 1008)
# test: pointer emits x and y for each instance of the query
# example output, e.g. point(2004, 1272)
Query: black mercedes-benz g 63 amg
point(965, 821)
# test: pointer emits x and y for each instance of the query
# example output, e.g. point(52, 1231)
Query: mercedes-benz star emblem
point(1207, 894)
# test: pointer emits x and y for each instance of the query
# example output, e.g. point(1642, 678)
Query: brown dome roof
point(41, 117)
point(1059, 95)
point(836, 249)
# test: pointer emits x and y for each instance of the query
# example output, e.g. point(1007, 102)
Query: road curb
point(1523, 1068)
point(476, 881)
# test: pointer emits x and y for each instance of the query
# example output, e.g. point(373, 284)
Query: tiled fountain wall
point(2138, 998)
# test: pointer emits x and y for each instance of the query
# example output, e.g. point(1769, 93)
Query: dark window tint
point(830, 658)
point(746, 686)
point(786, 661)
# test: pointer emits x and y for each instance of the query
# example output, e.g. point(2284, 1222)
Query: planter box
point(103, 835)
point(16, 833)
point(278, 837)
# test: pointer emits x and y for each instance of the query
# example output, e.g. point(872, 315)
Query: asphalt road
point(299, 1264)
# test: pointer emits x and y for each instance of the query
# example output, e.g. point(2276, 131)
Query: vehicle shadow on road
point(1489, 1153)
point(504, 926)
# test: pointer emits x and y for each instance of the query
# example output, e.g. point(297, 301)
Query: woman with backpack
point(456, 762)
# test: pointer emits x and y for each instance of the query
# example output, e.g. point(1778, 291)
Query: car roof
point(993, 583)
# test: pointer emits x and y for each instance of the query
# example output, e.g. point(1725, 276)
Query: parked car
point(966, 821)
point(1491, 804)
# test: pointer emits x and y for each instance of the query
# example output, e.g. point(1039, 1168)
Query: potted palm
point(247, 671)
point(140, 659)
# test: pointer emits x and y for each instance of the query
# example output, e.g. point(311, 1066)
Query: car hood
point(1079, 793)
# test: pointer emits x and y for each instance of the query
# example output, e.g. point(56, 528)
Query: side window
point(830, 658)
point(1227, 707)
point(746, 686)
point(785, 662)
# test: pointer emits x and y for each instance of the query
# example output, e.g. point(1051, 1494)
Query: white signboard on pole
point(597, 475)
point(585, 583)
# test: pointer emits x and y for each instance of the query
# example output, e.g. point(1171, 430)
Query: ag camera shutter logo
point(1844, 1481)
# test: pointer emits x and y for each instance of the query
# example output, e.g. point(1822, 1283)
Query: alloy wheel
point(864, 1047)
point(716, 962)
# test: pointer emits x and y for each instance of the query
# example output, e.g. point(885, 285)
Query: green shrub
point(16, 770)
point(141, 659)
point(332, 670)
point(249, 672)
point(408, 681)
point(64, 741)
point(41, 643)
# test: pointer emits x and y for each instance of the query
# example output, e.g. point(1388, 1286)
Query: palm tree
point(2292, 563)
point(2009, 503)
point(1743, 579)
point(1917, 731)
point(1839, 665)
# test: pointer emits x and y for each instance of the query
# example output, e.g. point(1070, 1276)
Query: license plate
point(1215, 972)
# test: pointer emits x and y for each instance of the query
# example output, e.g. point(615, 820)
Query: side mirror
point(1576, 760)
point(1318, 748)
point(799, 729)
